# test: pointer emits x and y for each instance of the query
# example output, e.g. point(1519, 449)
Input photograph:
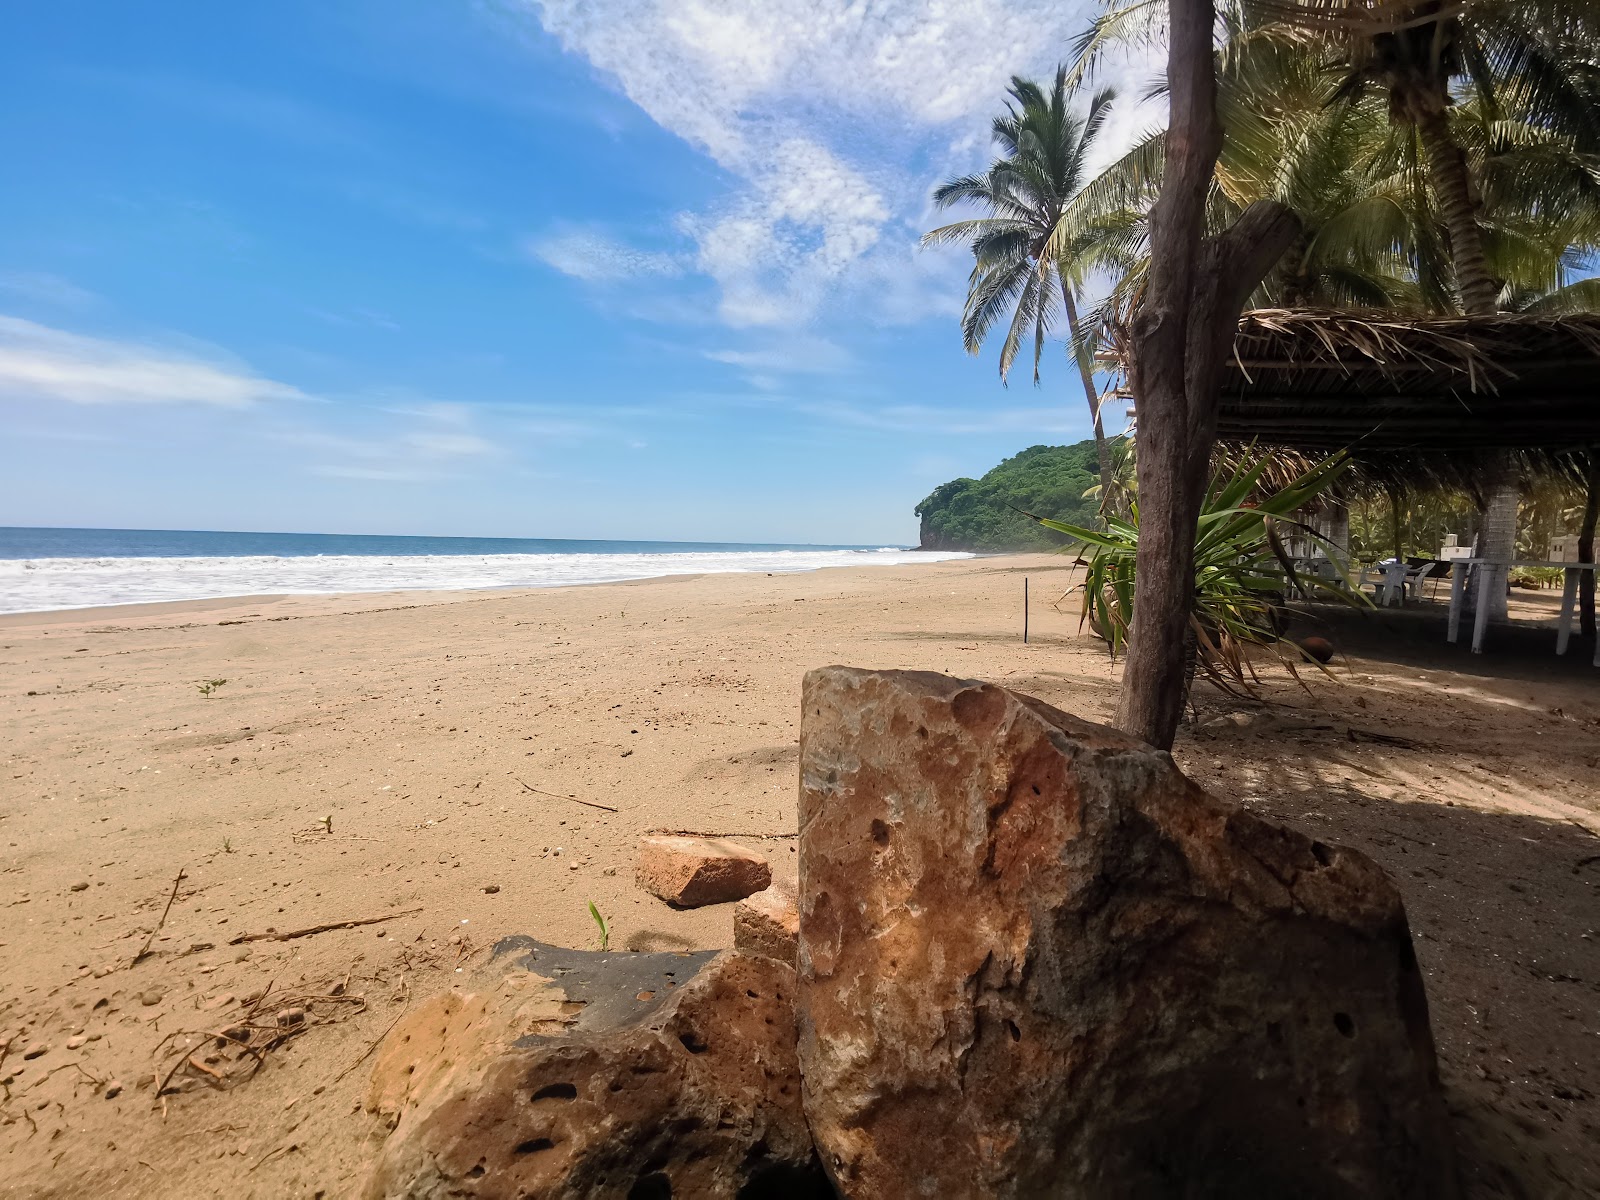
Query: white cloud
point(596, 257)
point(836, 117)
point(38, 362)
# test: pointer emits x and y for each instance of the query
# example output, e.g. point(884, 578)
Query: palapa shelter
point(1434, 395)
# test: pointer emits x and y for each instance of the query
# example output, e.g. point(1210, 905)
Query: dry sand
point(415, 721)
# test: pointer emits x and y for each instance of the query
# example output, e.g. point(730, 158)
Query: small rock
point(74, 1042)
point(113, 1089)
point(36, 1052)
point(688, 872)
point(491, 889)
point(152, 997)
point(291, 1016)
point(80, 887)
point(768, 923)
point(201, 947)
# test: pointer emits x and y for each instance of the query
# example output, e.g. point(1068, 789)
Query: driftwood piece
point(290, 935)
point(144, 951)
point(559, 796)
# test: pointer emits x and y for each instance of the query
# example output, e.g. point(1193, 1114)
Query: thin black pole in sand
point(1024, 610)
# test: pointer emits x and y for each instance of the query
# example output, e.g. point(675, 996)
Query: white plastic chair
point(1415, 580)
point(1391, 588)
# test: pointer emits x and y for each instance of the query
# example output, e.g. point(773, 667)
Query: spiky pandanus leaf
point(1241, 571)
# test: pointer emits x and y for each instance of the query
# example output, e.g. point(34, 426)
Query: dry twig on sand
point(144, 951)
point(274, 936)
point(373, 1045)
point(559, 796)
point(707, 834)
point(234, 1053)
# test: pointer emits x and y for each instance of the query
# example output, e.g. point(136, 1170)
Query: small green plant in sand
point(605, 926)
point(227, 846)
point(209, 686)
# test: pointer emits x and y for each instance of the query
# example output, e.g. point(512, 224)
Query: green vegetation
point(1241, 569)
point(209, 686)
point(980, 514)
point(605, 926)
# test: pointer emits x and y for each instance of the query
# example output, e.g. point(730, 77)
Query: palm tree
point(1045, 148)
point(1530, 61)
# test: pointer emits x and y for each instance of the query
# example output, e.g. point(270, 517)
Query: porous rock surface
point(768, 923)
point(688, 872)
point(577, 1074)
point(1036, 960)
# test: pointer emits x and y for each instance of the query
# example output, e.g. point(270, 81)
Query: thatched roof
point(1319, 380)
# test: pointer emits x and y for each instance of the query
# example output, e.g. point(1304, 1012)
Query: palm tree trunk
point(1292, 272)
point(1181, 337)
point(1101, 450)
point(1498, 533)
point(1591, 511)
point(1452, 188)
point(1394, 525)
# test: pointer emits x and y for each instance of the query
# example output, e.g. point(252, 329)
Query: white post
point(1487, 575)
point(1458, 587)
point(1569, 597)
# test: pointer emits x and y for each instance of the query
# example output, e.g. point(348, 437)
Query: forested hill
point(972, 514)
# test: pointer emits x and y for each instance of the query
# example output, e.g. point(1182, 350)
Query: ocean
point(43, 569)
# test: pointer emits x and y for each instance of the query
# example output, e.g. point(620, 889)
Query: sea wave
point(32, 585)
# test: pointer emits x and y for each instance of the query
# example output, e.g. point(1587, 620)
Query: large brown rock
point(688, 872)
point(1035, 960)
point(576, 1074)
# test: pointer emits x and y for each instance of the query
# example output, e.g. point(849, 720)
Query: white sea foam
point(29, 585)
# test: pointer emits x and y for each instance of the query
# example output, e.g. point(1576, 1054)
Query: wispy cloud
point(596, 257)
point(835, 117)
point(356, 318)
point(432, 450)
point(39, 362)
point(800, 354)
point(44, 288)
point(926, 419)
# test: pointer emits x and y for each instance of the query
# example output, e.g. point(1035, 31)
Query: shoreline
point(408, 598)
point(170, 606)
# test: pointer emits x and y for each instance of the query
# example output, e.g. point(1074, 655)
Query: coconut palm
point(1374, 232)
point(1363, 241)
point(1045, 146)
point(1532, 62)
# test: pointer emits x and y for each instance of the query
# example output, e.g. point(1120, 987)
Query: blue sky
point(578, 268)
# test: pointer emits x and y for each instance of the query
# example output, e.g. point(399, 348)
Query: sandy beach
point(425, 758)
